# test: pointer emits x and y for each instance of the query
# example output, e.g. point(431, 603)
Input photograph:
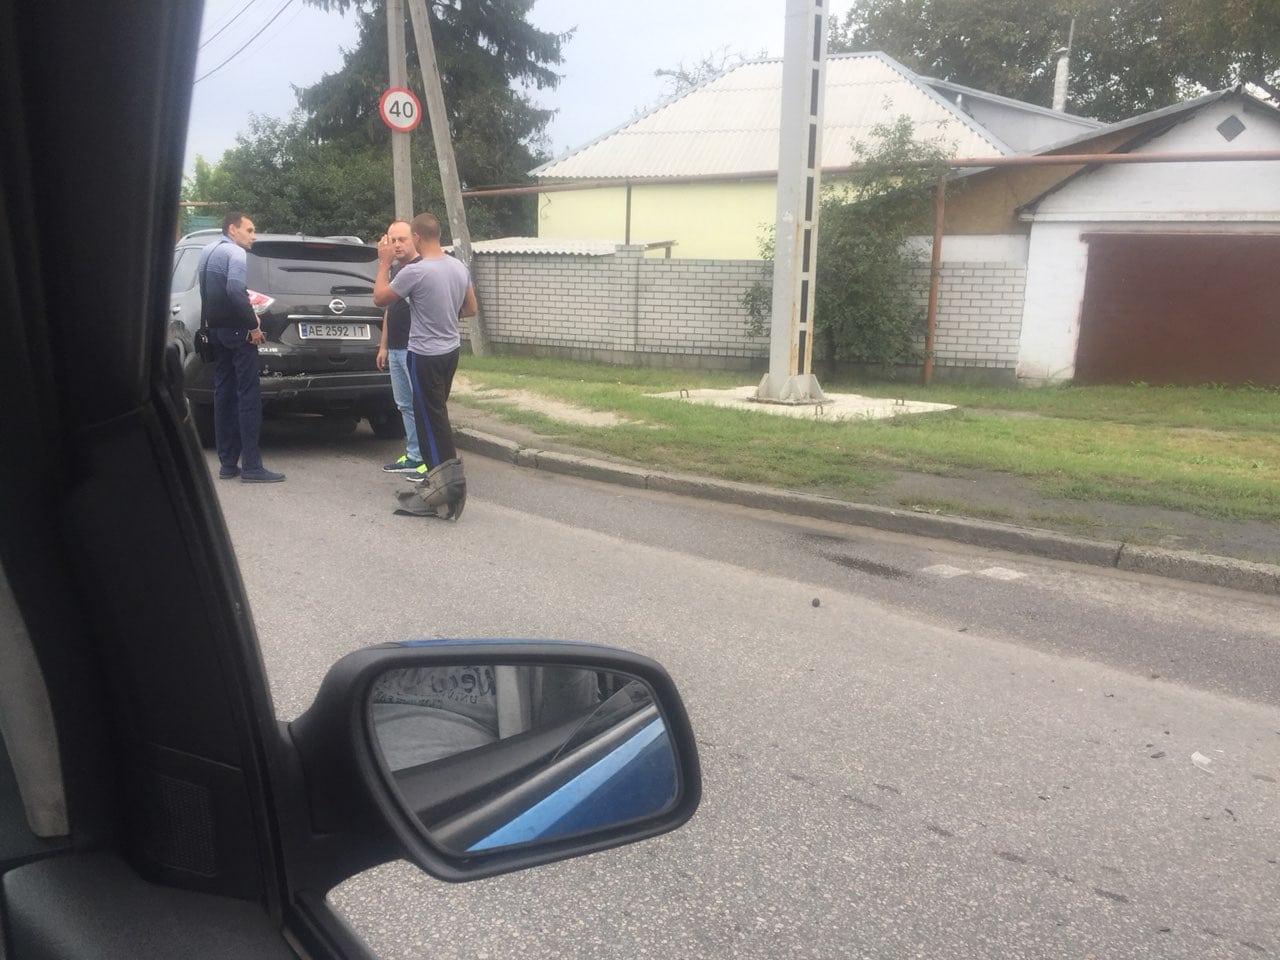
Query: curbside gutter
point(1172, 564)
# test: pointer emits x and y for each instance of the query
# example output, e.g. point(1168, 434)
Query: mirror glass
point(488, 757)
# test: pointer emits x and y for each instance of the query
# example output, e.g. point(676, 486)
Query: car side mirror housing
point(483, 757)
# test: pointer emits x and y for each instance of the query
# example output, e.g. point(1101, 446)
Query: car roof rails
point(337, 238)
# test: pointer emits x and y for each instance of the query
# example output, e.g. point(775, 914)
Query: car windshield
point(922, 424)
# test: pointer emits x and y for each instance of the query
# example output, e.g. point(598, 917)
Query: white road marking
point(942, 570)
point(1001, 573)
point(995, 573)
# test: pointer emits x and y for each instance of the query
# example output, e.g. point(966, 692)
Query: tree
point(293, 182)
point(1236, 41)
point(1127, 56)
point(681, 78)
point(196, 186)
point(866, 299)
point(867, 293)
point(327, 169)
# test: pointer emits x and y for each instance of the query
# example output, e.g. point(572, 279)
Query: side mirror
point(485, 757)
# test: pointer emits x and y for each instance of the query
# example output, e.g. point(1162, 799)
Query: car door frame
point(177, 780)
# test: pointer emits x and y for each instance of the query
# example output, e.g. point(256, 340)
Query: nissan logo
point(337, 306)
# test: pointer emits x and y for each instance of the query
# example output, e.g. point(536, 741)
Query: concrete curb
point(1172, 564)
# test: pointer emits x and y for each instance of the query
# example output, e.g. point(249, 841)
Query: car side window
point(184, 270)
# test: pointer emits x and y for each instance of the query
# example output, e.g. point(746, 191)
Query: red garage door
point(1178, 309)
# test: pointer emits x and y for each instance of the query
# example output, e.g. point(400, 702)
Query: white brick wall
point(621, 304)
point(655, 312)
point(979, 313)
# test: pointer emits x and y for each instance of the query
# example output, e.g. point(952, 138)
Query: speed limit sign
point(400, 109)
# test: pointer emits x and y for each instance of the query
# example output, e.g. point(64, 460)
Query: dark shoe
point(417, 474)
point(261, 475)
point(228, 473)
point(403, 465)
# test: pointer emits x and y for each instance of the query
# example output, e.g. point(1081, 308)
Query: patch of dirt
point(466, 392)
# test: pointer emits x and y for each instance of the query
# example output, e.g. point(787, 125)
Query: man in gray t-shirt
point(439, 293)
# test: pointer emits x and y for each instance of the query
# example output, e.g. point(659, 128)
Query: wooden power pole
point(449, 181)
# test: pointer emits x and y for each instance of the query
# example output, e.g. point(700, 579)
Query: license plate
point(333, 331)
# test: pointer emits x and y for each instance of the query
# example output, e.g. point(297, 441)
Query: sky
point(607, 70)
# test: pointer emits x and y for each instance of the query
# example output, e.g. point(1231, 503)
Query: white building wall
point(1198, 192)
point(1056, 265)
point(1230, 196)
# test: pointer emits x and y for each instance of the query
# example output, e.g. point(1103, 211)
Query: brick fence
point(631, 309)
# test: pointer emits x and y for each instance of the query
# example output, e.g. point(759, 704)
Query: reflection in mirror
point(487, 757)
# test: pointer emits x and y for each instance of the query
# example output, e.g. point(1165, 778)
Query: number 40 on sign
point(400, 109)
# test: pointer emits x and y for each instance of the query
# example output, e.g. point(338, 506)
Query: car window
point(316, 252)
point(184, 270)
point(292, 268)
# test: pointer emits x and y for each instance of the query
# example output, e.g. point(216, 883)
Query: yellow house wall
point(712, 221)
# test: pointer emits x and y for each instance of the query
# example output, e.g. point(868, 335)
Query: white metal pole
point(790, 378)
point(401, 171)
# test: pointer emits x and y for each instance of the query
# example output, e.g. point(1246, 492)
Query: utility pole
point(790, 378)
point(1062, 78)
point(401, 172)
point(449, 181)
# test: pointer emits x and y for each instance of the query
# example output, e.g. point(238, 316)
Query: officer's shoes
point(260, 475)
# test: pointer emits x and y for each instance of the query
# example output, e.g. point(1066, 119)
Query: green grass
point(1207, 450)
point(1204, 408)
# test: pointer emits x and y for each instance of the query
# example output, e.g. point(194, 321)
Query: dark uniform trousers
point(432, 381)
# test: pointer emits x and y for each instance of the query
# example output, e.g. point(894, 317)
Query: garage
point(1181, 309)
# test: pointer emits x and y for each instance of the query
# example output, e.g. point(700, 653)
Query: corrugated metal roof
point(1169, 112)
point(730, 124)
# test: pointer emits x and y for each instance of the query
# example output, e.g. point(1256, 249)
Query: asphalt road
point(957, 753)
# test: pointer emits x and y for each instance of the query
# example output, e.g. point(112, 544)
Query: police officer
point(235, 332)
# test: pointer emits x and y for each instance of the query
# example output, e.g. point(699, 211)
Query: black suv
point(314, 296)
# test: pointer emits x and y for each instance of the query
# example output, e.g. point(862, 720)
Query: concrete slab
point(837, 406)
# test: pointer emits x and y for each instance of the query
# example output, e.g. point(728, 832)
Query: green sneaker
point(417, 474)
point(403, 465)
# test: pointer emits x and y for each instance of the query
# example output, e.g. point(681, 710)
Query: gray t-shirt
point(435, 290)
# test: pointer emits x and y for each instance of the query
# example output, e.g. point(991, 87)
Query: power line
point(208, 40)
point(207, 23)
point(274, 17)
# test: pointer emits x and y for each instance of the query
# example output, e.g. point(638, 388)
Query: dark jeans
point(432, 380)
point(237, 399)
